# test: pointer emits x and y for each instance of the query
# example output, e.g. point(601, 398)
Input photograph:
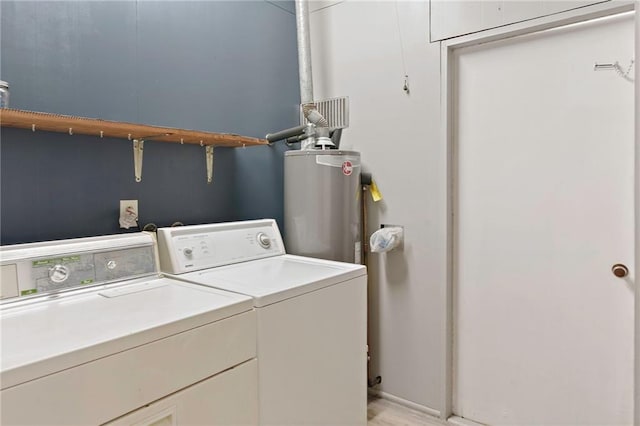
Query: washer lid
point(276, 278)
point(49, 335)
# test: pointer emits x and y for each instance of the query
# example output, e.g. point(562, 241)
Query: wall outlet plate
point(132, 205)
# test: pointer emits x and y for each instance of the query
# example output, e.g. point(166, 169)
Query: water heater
point(322, 204)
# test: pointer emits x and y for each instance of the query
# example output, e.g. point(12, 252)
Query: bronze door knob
point(620, 270)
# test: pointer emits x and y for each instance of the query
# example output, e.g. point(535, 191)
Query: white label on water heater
point(358, 253)
point(338, 160)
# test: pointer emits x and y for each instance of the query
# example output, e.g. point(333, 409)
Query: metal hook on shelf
point(33, 127)
point(70, 131)
point(101, 134)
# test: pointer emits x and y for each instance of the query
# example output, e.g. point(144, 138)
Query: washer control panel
point(191, 248)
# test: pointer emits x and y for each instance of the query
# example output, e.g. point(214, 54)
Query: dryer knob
point(188, 252)
point(264, 240)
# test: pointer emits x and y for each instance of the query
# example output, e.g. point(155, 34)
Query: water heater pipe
point(316, 133)
point(319, 132)
point(304, 51)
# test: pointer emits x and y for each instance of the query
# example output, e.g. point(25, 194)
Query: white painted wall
point(363, 49)
point(356, 51)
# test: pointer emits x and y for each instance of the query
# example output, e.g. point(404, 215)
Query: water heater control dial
point(58, 273)
point(263, 240)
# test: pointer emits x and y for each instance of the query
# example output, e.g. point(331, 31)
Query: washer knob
point(188, 252)
point(264, 240)
point(58, 273)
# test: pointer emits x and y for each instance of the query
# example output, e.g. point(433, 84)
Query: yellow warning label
point(375, 192)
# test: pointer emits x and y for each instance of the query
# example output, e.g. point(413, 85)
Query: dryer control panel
point(191, 248)
point(48, 267)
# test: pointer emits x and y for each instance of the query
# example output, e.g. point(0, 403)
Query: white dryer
point(91, 333)
point(311, 317)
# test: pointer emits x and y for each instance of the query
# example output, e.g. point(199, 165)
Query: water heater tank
point(322, 204)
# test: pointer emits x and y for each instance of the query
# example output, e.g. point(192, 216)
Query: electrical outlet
point(129, 212)
point(132, 204)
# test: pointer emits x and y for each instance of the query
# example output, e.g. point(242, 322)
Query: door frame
point(448, 86)
point(636, 398)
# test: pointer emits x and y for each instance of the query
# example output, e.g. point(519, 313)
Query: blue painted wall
point(225, 66)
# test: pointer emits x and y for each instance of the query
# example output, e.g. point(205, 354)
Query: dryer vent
point(335, 111)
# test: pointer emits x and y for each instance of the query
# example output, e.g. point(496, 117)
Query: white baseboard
point(451, 421)
point(406, 403)
point(460, 421)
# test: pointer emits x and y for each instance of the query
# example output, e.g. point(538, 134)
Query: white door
point(544, 209)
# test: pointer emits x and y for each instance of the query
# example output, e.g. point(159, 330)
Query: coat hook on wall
point(601, 67)
point(33, 127)
point(101, 134)
point(617, 68)
point(70, 131)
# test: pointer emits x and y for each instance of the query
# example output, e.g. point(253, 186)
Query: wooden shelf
point(115, 129)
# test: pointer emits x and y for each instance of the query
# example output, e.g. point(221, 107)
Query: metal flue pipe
point(318, 129)
point(304, 51)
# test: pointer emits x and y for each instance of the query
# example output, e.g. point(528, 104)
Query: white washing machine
point(311, 317)
point(91, 334)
